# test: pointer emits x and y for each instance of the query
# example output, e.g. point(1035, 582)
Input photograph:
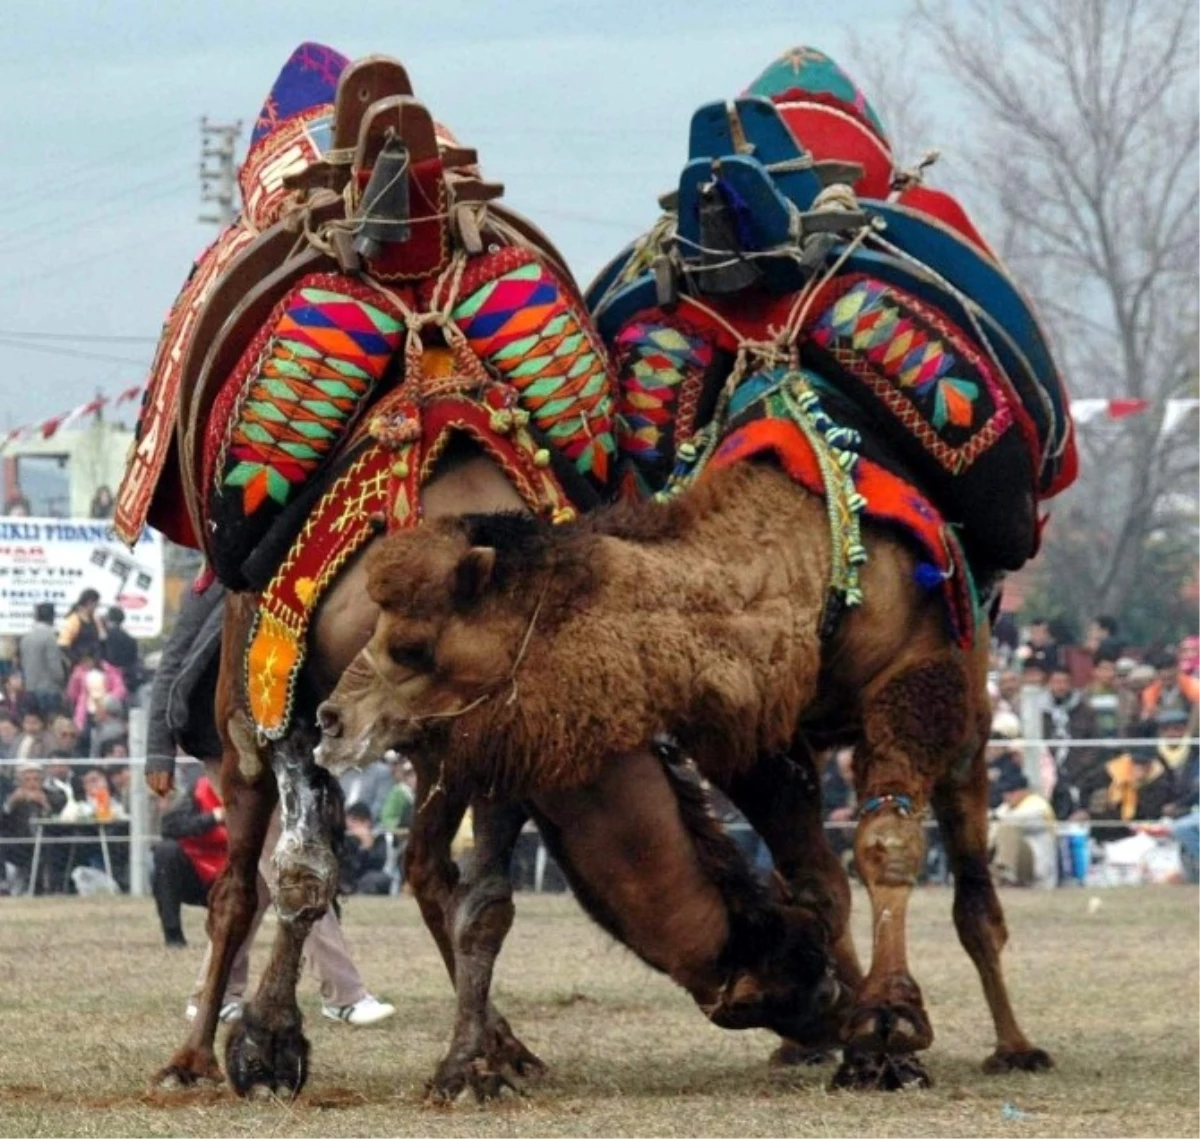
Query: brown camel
point(635, 836)
point(522, 660)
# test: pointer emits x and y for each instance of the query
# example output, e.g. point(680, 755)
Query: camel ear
point(473, 573)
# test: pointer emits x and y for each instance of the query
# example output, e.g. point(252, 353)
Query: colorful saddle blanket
point(791, 236)
point(372, 301)
point(779, 414)
point(374, 487)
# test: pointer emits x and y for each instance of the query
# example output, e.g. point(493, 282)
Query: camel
point(524, 662)
point(636, 835)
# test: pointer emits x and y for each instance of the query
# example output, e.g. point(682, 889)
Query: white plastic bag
point(90, 882)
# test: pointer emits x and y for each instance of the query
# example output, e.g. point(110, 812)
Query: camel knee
point(307, 878)
point(483, 914)
point(890, 847)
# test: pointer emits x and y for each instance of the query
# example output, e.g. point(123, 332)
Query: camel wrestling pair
point(751, 496)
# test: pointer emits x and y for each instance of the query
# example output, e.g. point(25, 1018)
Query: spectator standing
point(83, 630)
point(10, 732)
point(1066, 716)
point(1103, 696)
point(1171, 690)
point(42, 663)
point(103, 503)
point(121, 651)
point(15, 697)
point(1138, 679)
point(91, 684)
point(364, 855)
point(370, 785)
point(840, 804)
point(1102, 638)
point(1003, 757)
point(106, 727)
point(66, 738)
point(397, 809)
point(1040, 645)
point(34, 742)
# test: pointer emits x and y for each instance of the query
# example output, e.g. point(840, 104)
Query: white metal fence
point(142, 827)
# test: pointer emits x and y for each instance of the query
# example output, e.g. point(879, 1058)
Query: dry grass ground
point(90, 1003)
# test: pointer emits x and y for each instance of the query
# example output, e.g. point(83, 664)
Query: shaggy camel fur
point(523, 659)
point(750, 960)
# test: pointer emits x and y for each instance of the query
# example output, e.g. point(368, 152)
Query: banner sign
point(56, 559)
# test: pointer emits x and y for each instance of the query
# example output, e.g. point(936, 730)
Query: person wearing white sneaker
point(369, 1010)
point(343, 994)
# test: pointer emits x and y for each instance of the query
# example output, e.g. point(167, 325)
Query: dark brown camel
point(522, 660)
point(637, 835)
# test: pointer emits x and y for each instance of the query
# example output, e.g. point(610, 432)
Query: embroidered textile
point(660, 368)
point(781, 414)
point(284, 409)
point(377, 486)
point(520, 321)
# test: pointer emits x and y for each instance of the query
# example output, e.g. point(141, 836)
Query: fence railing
point(142, 831)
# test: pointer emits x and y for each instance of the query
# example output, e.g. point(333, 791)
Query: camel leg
point(781, 798)
point(267, 1052)
point(484, 1055)
point(915, 727)
point(652, 866)
point(434, 879)
point(232, 904)
point(428, 868)
point(961, 809)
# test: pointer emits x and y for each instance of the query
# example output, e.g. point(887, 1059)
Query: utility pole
point(218, 182)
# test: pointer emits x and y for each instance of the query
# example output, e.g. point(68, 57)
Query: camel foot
point(511, 1054)
point(792, 1054)
point(869, 1071)
point(267, 1063)
point(459, 1078)
point(188, 1068)
point(891, 1023)
point(1018, 1060)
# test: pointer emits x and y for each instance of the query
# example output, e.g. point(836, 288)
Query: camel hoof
point(264, 1062)
point(187, 1072)
point(512, 1055)
point(1018, 1060)
point(862, 1071)
point(791, 1054)
point(456, 1081)
point(889, 1029)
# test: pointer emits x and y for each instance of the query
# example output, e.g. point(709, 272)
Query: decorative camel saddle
point(372, 301)
point(793, 246)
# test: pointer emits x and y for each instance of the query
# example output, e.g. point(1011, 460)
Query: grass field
point(90, 1004)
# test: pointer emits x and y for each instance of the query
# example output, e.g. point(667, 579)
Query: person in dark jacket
point(190, 856)
point(121, 650)
point(363, 855)
point(180, 715)
point(42, 661)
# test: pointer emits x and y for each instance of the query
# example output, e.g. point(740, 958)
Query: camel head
point(454, 601)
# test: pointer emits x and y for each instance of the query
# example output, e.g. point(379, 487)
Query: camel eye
point(417, 656)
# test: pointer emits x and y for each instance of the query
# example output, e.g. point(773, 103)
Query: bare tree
point(1084, 130)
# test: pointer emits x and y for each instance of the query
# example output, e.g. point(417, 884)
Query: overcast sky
point(581, 108)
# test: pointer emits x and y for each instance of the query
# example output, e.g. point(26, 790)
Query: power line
point(47, 194)
point(24, 235)
point(73, 353)
point(75, 337)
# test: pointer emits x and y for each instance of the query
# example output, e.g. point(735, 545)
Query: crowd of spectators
point(1117, 754)
point(65, 698)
